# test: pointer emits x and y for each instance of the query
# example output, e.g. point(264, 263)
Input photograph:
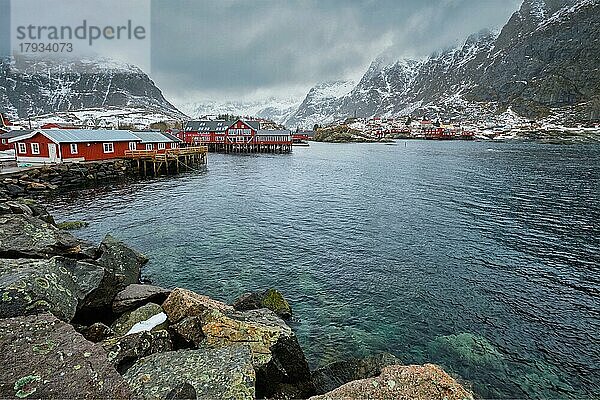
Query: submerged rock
point(183, 303)
point(135, 295)
point(128, 320)
point(214, 373)
point(26, 236)
point(57, 285)
point(336, 374)
point(43, 357)
point(415, 382)
point(123, 351)
point(270, 298)
point(122, 266)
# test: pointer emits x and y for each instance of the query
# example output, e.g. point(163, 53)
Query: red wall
point(38, 138)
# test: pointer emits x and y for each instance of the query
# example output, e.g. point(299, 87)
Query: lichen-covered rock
point(126, 321)
point(412, 382)
point(123, 351)
point(338, 373)
point(43, 357)
point(189, 330)
point(135, 295)
point(214, 373)
point(97, 332)
point(25, 236)
point(270, 298)
point(277, 356)
point(57, 285)
point(183, 303)
point(122, 266)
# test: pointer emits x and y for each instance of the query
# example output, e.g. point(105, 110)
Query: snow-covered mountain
point(543, 61)
point(33, 86)
point(272, 108)
point(321, 104)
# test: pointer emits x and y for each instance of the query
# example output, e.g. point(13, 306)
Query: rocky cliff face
point(542, 61)
point(30, 87)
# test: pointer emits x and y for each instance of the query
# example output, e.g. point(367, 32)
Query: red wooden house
point(155, 141)
point(236, 136)
point(6, 135)
point(64, 145)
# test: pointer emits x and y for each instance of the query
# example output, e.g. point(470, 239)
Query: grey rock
point(97, 332)
point(135, 295)
point(189, 330)
point(57, 285)
point(334, 375)
point(182, 391)
point(215, 373)
point(30, 237)
point(271, 299)
point(126, 321)
point(46, 358)
point(123, 351)
point(122, 266)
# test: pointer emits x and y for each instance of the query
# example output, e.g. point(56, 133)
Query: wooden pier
point(275, 148)
point(169, 161)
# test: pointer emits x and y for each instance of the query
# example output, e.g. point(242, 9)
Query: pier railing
point(165, 154)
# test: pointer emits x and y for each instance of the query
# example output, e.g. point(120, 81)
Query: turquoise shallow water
point(481, 257)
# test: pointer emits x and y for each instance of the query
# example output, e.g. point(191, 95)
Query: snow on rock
point(148, 324)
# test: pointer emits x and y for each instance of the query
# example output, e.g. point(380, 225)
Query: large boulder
point(135, 295)
point(25, 236)
point(57, 285)
point(338, 373)
point(145, 314)
point(183, 303)
point(414, 382)
point(280, 364)
point(189, 332)
point(214, 373)
point(122, 266)
point(270, 298)
point(43, 357)
point(123, 351)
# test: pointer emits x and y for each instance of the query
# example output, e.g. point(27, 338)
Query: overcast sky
point(253, 48)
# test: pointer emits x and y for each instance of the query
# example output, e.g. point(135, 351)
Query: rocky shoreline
point(76, 322)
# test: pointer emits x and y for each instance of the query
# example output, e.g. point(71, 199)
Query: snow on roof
point(81, 135)
point(154, 137)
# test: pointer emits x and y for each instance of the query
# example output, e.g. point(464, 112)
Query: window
point(174, 145)
point(108, 148)
point(132, 146)
point(162, 146)
point(73, 148)
point(22, 148)
point(35, 148)
point(149, 146)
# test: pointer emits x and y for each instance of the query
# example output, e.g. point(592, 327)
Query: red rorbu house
point(65, 145)
point(5, 136)
point(237, 136)
point(155, 141)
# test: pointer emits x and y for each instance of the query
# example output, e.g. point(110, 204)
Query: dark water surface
point(481, 257)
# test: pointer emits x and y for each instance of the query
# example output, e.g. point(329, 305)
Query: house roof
point(208, 125)
point(81, 135)
point(14, 134)
point(155, 137)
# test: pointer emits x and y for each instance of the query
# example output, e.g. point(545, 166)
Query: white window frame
point(174, 145)
point(108, 147)
point(149, 146)
point(35, 148)
point(73, 148)
point(162, 146)
point(132, 146)
point(22, 148)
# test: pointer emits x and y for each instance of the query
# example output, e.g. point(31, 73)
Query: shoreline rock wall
point(47, 178)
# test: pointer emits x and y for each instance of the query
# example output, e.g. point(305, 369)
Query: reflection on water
point(481, 257)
